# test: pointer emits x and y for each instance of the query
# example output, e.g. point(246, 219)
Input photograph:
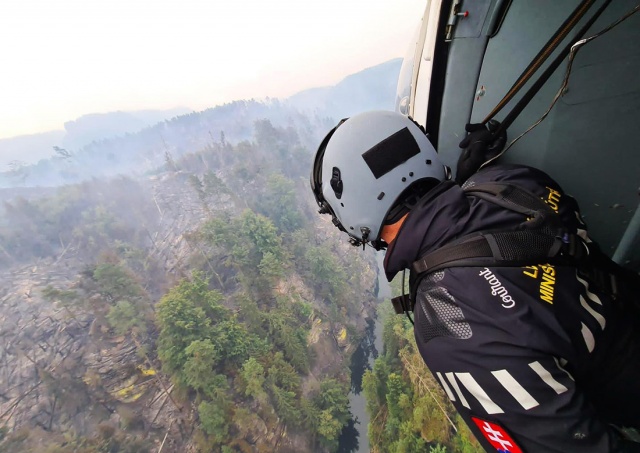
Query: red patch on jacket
point(497, 436)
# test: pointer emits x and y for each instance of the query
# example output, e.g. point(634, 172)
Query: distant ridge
point(373, 88)
point(79, 133)
point(122, 150)
point(28, 148)
point(98, 126)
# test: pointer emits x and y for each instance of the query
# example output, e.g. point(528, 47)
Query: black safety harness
point(540, 239)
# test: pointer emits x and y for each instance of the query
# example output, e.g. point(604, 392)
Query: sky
point(65, 58)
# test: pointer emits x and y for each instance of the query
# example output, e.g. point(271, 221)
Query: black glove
point(479, 146)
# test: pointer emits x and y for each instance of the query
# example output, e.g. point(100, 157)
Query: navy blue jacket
point(535, 359)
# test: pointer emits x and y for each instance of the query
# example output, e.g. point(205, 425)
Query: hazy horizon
point(72, 58)
point(184, 109)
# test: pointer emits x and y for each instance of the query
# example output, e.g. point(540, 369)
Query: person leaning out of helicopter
point(530, 330)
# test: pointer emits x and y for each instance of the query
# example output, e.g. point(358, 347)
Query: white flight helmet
point(365, 164)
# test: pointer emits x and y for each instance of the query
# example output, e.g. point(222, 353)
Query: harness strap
point(541, 238)
point(518, 200)
point(502, 249)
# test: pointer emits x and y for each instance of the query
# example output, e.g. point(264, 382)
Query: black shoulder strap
point(540, 238)
point(516, 199)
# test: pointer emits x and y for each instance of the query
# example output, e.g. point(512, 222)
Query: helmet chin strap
point(365, 232)
point(376, 245)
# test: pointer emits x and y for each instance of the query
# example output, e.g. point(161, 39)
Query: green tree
point(254, 377)
point(124, 318)
point(184, 315)
point(233, 342)
point(310, 416)
point(333, 404)
point(288, 337)
point(329, 428)
point(271, 267)
point(408, 409)
point(282, 373)
point(252, 241)
point(116, 282)
point(261, 233)
point(397, 399)
point(202, 358)
point(370, 385)
point(286, 405)
point(325, 271)
point(251, 314)
point(213, 419)
point(279, 203)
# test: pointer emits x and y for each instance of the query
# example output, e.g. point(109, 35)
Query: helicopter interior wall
point(588, 141)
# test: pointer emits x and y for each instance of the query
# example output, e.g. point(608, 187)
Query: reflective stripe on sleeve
point(547, 378)
point(592, 312)
point(474, 388)
point(454, 384)
point(589, 340)
point(515, 389)
point(445, 386)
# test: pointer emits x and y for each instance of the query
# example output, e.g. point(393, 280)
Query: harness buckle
point(572, 246)
point(401, 304)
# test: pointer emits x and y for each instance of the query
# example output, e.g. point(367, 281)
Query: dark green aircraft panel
point(589, 141)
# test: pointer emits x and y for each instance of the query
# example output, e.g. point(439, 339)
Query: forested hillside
point(200, 308)
point(409, 411)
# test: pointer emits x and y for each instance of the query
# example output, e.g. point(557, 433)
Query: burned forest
point(197, 306)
